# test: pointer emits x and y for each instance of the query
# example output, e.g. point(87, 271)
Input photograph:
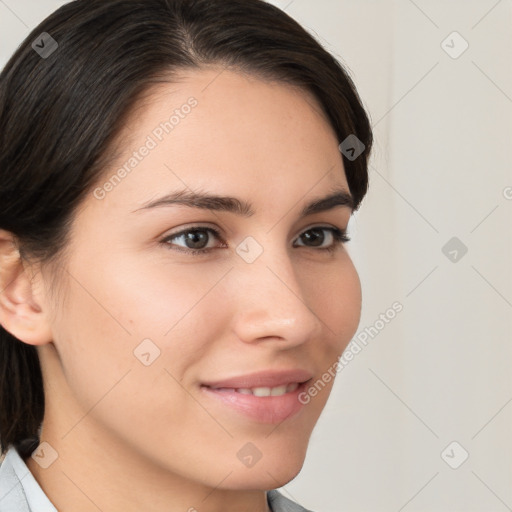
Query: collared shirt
point(20, 491)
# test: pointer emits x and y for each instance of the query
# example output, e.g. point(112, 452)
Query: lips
point(263, 397)
point(263, 379)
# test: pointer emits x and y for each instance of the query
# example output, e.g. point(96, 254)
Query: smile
point(262, 391)
point(262, 398)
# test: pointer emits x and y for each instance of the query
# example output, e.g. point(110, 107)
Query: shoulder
point(19, 490)
point(12, 495)
point(279, 503)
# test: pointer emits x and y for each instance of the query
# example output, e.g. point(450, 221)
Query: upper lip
point(262, 379)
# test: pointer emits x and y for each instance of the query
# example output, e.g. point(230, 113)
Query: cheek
point(116, 321)
point(111, 312)
point(337, 301)
point(130, 309)
point(170, 304)
point(108, 312)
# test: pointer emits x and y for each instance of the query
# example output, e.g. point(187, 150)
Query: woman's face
point(157, 351)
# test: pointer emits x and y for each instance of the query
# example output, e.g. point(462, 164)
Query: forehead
point(223, 131)
point(234, 101)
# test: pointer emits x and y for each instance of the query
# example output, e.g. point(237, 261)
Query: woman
point(177, 177)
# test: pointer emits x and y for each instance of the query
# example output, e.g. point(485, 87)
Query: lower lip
point(264, 409)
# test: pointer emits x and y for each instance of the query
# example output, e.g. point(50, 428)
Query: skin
point(131, 437)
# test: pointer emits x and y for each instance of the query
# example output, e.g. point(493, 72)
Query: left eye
point(196, 239)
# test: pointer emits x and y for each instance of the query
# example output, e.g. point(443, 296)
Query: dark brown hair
point(60, 114)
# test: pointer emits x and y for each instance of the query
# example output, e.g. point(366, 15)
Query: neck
point(87, 477)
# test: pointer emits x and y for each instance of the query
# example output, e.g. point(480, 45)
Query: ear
point(22, 311)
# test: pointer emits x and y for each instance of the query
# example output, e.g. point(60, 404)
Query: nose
point(270, 301)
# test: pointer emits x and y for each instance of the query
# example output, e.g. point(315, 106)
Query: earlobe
point(20, 313)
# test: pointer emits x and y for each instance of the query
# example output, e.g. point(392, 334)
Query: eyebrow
point(207, 201)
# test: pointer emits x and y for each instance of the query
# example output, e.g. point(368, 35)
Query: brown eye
point(314, 237)
point(195, 240)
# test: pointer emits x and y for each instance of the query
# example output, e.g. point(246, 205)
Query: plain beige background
point(421, 417)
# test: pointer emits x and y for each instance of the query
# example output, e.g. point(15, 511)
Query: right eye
point(194, 238)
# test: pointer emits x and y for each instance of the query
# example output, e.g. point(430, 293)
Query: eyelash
point(339, 236)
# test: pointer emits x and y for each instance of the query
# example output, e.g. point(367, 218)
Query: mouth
point(261, 391)
point(262, 380)
point(264, 397)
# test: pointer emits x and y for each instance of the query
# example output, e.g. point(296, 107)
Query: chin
point(265, 475)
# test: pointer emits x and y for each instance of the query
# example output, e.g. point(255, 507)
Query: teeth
point(292, 387)
point(262, 391)
point(278, 391)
